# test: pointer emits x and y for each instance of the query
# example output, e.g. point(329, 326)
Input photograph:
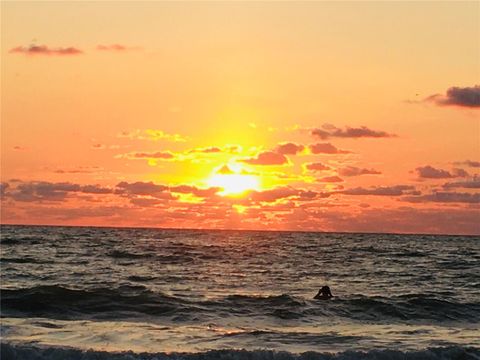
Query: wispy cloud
point(396, 190)
point(40, 191)
point(355, 171)
point(115, 48)
point(467, 184)
point(45, 50)
point(445, 197)
point(329, 131)
point(470, 163)
point(159, 155)
point(152, 135)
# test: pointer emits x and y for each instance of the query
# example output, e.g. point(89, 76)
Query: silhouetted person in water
point(324, 293)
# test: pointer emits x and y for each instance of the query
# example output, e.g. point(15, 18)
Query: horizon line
point(236, 229)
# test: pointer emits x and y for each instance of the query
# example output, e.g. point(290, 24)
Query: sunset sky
point(241, 115)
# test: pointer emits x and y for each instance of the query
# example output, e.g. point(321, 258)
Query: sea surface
point(112, 293)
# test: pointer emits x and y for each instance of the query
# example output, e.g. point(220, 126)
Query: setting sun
point(234, 184)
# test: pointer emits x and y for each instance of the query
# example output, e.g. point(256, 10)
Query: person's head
point(325, 288)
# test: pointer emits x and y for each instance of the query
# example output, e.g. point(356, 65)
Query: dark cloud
point(396, 190)
point(445, 197)
point(329, 131)
point(267, 158)
point(45, 50)
point(317, 166)
point(3, 189)
point(95, 189)
point(355, 171)
point(406, 219)
point(326, 148)
point(47, 191)
point(164, 192)
point(79, 170)
point(429, 172)
point(273, 194)
point(458, 96)
point(198, 192)
point(140, 188)
point(146, 202)
point(467, 184)
point(470, 163)
point(289, 148)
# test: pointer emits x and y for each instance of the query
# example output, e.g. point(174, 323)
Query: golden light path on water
point(150, 337)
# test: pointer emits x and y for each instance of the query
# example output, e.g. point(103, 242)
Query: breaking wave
point(26, 352)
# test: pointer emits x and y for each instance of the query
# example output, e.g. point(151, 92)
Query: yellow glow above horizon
point(234, 184)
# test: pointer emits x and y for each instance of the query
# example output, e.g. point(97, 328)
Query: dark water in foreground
point(207, 293)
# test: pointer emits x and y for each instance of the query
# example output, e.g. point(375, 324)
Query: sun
point(233, 183)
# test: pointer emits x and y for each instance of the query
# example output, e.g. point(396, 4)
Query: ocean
point(117, 293)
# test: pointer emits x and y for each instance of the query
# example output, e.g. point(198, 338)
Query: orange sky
point(290, 115)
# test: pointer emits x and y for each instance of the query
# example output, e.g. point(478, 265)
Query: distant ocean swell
point(59, 302)
point(27, 352)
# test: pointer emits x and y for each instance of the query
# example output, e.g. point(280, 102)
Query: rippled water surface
point(152, 290)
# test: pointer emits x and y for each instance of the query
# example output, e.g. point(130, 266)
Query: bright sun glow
point(234, 184)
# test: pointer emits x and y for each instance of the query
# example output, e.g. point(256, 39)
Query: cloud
point(115, 48)
point(140, 188)
point(160, 155)
point(429, 172)
point(355, 171)
point(198, 192)
point(152, 135)
point(401, 220)
point(317, 166)
point(225, 170)
point(79, 170)
point(267, 158)
point(396, 190)
point(470, 163)
point(207, 150)
point(326, 148)
point(445, 197)
point(45, 50)
point(329, 131)
point(330, 179)
point(3, 189)
point(280, 193)
point(47, 191)
point(146, 202)
point(158, 191)
point(289, 148)
point(458, 96)
point(468, 184)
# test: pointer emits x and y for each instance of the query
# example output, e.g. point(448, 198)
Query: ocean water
point(111, 293)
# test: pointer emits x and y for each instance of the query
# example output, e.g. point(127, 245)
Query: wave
point(132, 300)
point(120, 254)
point(62, 303)
point(28, 352)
